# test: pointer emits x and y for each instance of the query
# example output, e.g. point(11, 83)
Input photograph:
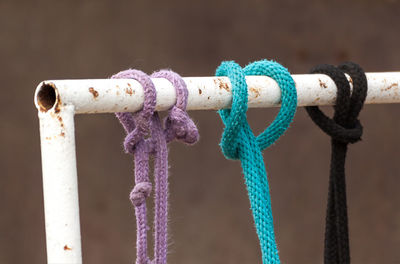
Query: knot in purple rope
point(137, 125)
point(140, 192)
point(178, 123)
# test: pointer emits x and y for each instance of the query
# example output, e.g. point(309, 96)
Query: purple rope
point(146, 123)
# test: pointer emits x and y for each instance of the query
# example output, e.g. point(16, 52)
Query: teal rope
point(239, 142)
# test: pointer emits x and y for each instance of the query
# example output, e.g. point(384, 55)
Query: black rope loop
point(343, 128)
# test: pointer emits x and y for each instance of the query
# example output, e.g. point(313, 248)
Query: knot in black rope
point(344, 126)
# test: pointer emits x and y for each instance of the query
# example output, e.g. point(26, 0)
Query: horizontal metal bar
point(125, 95)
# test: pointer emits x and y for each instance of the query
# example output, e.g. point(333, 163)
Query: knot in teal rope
point(239, 142)
point(235, 118)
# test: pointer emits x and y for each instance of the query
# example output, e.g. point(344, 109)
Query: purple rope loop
point(137, 125)
point(178, 123)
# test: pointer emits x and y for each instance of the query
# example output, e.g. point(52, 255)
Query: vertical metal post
point(60, 186)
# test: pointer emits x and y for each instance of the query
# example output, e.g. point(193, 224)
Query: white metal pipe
point(60, 186)
point(57, 102)
point(123, 95)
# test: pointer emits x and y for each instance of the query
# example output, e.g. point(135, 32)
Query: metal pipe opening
point(46, 97)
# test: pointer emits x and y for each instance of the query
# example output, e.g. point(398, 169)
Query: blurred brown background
point(210, 218)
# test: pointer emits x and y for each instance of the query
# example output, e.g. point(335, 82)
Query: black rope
point(343, 128)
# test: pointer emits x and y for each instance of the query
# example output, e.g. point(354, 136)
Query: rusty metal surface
point(60, 183)
point(205, 93)
point(209, 223)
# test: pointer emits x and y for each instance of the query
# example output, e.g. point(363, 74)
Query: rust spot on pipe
point(129, 91)
point(350, 80)
point(255, 91)
point(60, 120)
point(221, 84)
point(200, 91)
point(390, 87)
point(57, 107)
point(322, 84)
point(66, 247)
point(93, 92)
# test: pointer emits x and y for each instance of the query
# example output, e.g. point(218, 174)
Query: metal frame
point(58, 101)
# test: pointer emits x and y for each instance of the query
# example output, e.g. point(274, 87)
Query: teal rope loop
point(239, 142)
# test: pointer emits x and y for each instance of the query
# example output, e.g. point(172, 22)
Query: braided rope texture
point(343, 128)
point(146, 136)
point(239, 143)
